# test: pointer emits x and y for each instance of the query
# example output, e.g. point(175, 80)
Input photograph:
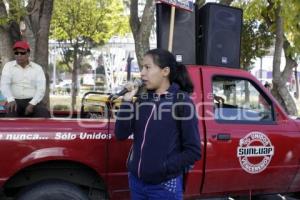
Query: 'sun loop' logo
point(255, 152)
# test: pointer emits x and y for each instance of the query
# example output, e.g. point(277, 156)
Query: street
point(265, 197)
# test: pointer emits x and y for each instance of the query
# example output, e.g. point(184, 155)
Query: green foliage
point(97, 20)
point(15, 10)
point(256, 41)
point(62, 67)
point(85, 67)
point(291, 14)
point(61, 107)
point(264, 12)
point(252, 9)
point(200, 2)
point(256, 38)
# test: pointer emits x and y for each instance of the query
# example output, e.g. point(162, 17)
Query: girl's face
point(154, 78)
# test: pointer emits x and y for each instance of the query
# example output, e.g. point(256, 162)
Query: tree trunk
point(279, 89)
point(6, 54)
point(74, 89)
point(40, 17)
point(36, 33)
point(141, 29)
point(5, 40)
point(287, 72)
point(277, 84)
point(278, 47)
point(29, 36)
point(226, 2)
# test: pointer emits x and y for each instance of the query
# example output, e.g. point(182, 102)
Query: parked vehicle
point(250, 146)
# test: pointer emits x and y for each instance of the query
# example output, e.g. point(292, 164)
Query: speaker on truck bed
point(219, 35)
point(184, 40)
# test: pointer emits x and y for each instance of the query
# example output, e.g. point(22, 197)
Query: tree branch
point(33, 9)
point(265, 15)
point(290, 61)
point(278, 45)
point(147, 19)
point(226, 2)
point(3, 11)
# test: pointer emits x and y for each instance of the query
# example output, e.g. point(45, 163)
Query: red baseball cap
point(21, 45)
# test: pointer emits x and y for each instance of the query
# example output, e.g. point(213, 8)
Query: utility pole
point(297, 83)
point(261, 68)
point(129, 59)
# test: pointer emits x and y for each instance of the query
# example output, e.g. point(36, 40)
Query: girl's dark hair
point(178, 71)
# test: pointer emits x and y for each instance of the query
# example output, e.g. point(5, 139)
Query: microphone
point(136, 84)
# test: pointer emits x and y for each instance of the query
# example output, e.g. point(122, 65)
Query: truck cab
point(250, 146)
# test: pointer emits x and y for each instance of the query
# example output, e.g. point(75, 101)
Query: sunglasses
point(20, 53)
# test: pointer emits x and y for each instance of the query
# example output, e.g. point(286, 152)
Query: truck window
point(238, 99)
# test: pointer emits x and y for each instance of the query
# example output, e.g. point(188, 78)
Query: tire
point(52, 190)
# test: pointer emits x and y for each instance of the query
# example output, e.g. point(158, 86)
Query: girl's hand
point(133, 89)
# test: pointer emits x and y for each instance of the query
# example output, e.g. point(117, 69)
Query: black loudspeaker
point(184, 40)
point(219, 35)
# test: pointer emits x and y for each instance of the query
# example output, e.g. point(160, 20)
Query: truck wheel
point(52, 190)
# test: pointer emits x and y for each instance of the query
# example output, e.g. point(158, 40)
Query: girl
point(163, 145)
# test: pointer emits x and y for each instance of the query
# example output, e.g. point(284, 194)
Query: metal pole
point(171, 32)
point(260, 73)
point(129, 59)
point(54, 67)
point(297, 84)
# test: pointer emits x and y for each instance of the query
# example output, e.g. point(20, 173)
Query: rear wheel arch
point(67, 171)
point(54, 189)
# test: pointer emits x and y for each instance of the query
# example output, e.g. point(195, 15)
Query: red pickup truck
point(249, 145)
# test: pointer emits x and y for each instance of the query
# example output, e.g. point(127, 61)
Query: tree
point(38, 22)
point(141, 27)
point(256, 39)
point(35, 16)
point(281, 18)
point(81, 24)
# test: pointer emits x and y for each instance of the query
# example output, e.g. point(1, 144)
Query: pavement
point(264, 197)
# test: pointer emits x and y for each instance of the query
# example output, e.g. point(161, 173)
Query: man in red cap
point(23, 84)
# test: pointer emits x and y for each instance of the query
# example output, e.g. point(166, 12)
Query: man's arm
point(40, 85)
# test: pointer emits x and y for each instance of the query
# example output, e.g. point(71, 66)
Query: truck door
point(250, 145)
